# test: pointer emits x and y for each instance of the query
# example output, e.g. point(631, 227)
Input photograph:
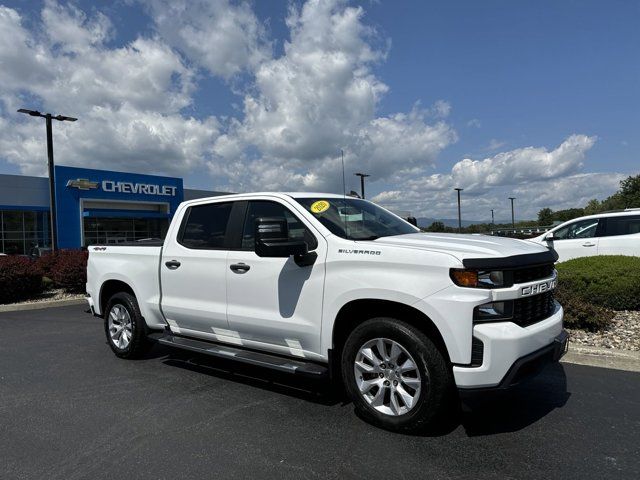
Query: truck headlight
point(477, 278)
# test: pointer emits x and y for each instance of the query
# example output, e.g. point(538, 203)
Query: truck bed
point(137, 265)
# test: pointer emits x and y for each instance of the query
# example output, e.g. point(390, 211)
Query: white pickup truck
point(318, 284)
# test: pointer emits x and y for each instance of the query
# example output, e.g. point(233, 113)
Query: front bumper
point(510, 351)
point(89, 300)
point(525, 367)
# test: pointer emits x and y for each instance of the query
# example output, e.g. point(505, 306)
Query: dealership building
point(92, 206)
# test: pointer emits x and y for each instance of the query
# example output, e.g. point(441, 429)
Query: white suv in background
point(612, 233)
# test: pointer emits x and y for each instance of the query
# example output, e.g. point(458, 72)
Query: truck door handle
point(172, 264)
point(240, 267)
point(588, 244)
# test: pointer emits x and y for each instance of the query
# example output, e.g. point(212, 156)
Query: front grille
point(529, 274)
point(529, 310)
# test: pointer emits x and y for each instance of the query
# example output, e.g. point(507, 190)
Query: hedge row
point(67, 269)
point(591, 288)
point(22, 278)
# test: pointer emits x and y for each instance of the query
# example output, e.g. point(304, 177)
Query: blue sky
point(539, 96)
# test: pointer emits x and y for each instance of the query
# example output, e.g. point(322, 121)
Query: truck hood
point(464, 246)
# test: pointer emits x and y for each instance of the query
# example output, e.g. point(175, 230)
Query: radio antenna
point(344, 196)
point(344, 186)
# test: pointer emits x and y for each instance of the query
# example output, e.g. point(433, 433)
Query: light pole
point(513, 217)
point(362, 177)
point(459, 214)
point(52, 197)
point(493, 222)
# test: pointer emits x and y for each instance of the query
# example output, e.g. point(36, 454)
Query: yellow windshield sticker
point(319, 206)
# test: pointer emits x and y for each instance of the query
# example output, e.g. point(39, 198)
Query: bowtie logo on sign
point(82, 184)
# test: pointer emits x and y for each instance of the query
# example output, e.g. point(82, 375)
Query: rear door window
point(625, 225)
point(205, 226)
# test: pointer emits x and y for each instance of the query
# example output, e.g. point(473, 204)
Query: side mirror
point(272, 239)
point(549, 237)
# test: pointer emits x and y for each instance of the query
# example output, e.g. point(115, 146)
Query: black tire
point(138, 344)
point(436, 400)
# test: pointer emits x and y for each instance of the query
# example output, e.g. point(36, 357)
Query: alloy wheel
point(120, 326)
point(387, 376)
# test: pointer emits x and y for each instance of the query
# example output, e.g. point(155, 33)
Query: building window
point(24, 232)
point(101, 230)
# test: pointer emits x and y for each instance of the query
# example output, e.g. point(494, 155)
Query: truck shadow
point(517, 408)
point(316, 391)
point(491, 414)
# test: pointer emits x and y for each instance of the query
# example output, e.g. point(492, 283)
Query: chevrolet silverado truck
point(328, 285)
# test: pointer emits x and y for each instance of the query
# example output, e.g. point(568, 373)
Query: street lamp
point(493, 222)
point(513, 217)
point(459, 215)
point(52, 198)
point(362, 177)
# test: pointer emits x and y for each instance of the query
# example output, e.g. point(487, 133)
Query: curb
point(18, 307)
point(603, 357)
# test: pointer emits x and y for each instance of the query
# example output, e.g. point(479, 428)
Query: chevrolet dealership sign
point(142, 188)
point(84, 193)
point(111, 186)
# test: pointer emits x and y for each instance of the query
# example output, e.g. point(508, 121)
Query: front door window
point(581, 229)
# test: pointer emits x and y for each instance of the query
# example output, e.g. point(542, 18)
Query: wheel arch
point(110, 288)
point(356, 312)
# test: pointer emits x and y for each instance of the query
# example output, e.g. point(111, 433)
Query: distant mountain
point(449, 222)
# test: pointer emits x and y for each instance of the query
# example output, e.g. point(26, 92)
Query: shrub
point(582, 315)
point(606, 281)
point(46, 263)
point(20, 278)
point(67, 269)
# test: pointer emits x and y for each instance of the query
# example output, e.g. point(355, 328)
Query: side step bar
point(274, 362)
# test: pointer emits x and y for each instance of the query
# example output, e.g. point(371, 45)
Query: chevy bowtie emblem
point(82, 184)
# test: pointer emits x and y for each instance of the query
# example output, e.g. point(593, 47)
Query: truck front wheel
point(124, 326)
point(396, 376)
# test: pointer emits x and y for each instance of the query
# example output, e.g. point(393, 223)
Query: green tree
point(593, 207)
point(630, 191)
point(545, 216)
point(436, 227)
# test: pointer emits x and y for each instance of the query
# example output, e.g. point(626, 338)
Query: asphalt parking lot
point(70, 409)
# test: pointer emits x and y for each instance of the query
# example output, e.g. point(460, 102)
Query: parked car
point(323, 285)
point(612, 233)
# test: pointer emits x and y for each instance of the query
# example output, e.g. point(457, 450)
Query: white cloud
point(223, 38)
point(298, 111)
point(128, 99)
point(320, 96)
point(495, 144)
point(571, 191)
point(536, 176)
point(522, 164)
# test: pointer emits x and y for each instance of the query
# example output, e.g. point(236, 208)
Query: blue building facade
point(92, 206)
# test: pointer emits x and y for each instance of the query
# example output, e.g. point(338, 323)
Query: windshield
point(355, 219)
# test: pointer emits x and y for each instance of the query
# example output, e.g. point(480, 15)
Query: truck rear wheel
point(396, 377)
point(124, 326)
